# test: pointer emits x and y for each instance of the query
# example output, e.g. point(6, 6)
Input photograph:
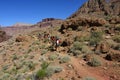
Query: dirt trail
point(81, 70)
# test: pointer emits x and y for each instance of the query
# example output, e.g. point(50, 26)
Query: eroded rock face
point(74, 23)
point(99, 7)
point(94, 13)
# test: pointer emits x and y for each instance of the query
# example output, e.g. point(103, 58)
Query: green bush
point(47, 71)
point(95, 62)
point(89, 78)
point(42, 73)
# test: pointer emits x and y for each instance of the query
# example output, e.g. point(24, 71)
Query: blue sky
point(33, 11)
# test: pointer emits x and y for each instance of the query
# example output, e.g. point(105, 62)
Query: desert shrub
point(53, 57)
point(44, 52)
point(14, 70)
point(5, 67)
point(19, 76)
point(30, 65)
point(47, 71)
point(42, 47)
point(18, 65)
point(53, 69)
point(81, 38)
point(37, 42)
point(95, 62)
point(5, 76)
point(69, 29)
point(42, 58)
point(41, 74)
point(44, 65)
point(95, 38)
point(74, 52)
point(111, 43)
point(107, 25)
point(77, 45)
point(29, 50)
point(86, 49)
point(117, 47)
point(117, 38)
point(24, 69)
point(79, 28)
point(46, 40)
point(14, 57)
point(79, 48)
point(65, 59)
point(117, 27)
point(89, 78)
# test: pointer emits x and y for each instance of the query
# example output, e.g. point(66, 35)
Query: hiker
point(55, 42)
point(58, 41)
point(46, 35)
point(39, 36)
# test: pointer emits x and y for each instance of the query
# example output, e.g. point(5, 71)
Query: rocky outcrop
point(49, 19)
point(49, 22)
point(99, 7)
point(74, 23)
point(94, 13)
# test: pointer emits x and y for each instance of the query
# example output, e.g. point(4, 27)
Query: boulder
point(21, 38)
point(113, 57)
point(102, 48)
